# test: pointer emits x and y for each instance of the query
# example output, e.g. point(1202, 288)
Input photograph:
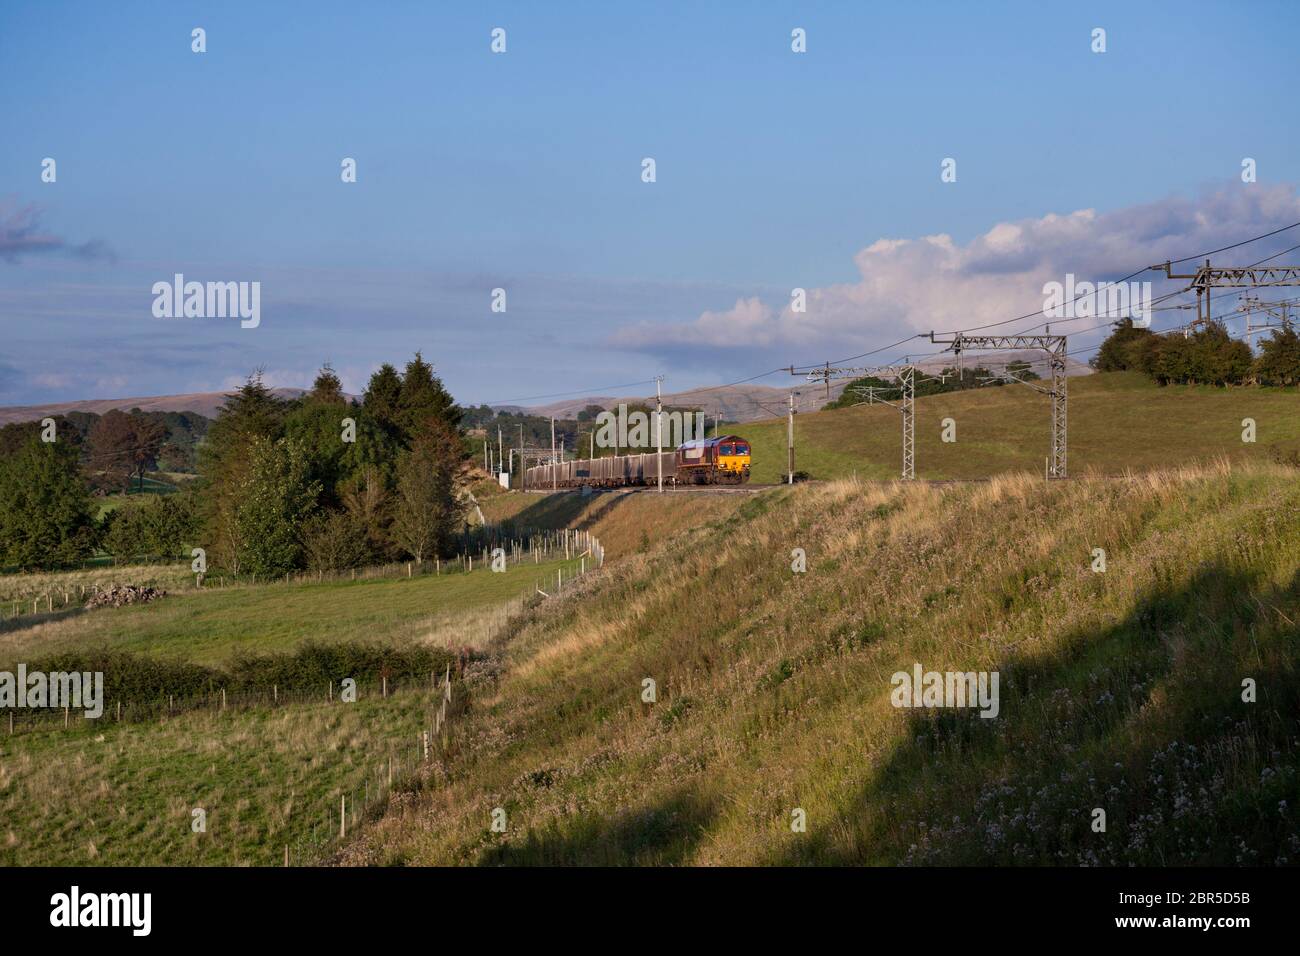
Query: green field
point(124, 794)
point(1117, 421)
point(210, 626)
point(267, 776)
point(152, 486)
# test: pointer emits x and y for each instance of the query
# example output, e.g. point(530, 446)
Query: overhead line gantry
point(1207, 278)
point(904, 374)
point(1056, 348)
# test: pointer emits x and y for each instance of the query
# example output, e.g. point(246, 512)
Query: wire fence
point(20, 720)
point(490, 548)
point(397, 764)
point(405, 757)
point(399, 768)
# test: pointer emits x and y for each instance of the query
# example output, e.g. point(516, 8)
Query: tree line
point(1207, 356)
point(927, 383)
point(317, 482)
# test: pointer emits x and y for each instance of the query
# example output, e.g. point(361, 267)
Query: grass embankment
point(623, 521)
point(1117, 421)
point(1119, 690)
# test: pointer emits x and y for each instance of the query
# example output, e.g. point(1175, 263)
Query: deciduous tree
point(425, 510)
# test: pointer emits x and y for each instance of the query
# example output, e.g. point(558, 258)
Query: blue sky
point(523, 171)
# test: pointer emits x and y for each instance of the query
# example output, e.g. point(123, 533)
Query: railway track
point(751, 488)
point(747, 489)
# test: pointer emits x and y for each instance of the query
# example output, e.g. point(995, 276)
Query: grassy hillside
point(1120, 690)
point(624, 521)
point(1116, 421)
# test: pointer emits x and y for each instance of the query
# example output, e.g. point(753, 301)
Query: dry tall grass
point(22, 588)
point(1119, 690)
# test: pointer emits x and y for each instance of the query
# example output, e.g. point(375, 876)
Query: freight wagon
point(708, 461)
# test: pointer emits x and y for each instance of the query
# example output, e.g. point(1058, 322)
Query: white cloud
point(933, 283)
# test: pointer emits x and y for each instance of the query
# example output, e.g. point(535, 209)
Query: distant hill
point(204, 403)
point(733, 403)
point(747, 403)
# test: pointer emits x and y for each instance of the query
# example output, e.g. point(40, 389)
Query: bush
point(1209, 356)
point(45, 520)
point(315, 665)
point(157, 526)
point(135, 678)
point(1279, 360)
point(334, 541)
point(1123, 349)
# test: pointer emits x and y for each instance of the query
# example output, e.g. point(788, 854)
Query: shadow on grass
point(663, 833)
point(561, 510)
point(14, 624)
point(1144, 720)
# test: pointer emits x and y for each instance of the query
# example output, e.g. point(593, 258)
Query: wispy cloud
point(21, 233)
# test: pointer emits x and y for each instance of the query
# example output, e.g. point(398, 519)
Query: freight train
point(706, 461)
